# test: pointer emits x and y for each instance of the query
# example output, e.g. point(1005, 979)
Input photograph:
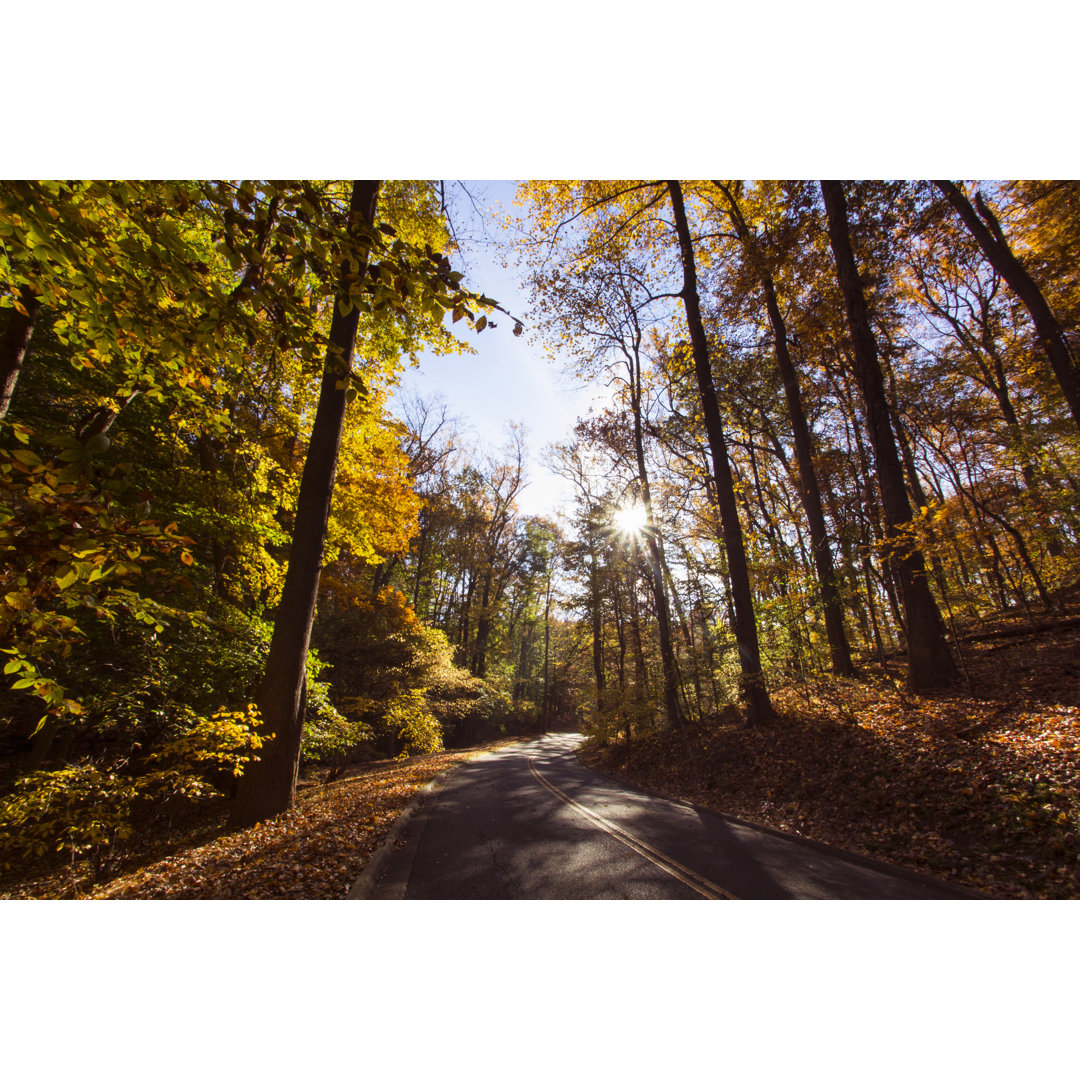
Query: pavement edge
point(964, 892)
point(368, 882)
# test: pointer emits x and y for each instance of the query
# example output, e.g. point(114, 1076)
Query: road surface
point(530, 822)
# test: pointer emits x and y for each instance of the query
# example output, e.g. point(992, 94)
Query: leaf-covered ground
point(976, 786)
point(313, 852)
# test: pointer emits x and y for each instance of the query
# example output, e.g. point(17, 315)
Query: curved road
point(530, 822)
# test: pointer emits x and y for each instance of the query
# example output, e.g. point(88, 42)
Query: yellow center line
point(709, 889)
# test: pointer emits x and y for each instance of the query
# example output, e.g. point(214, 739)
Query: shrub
point(89, 805)
point(412, 723)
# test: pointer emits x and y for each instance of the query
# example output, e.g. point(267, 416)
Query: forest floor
point(974, 784)
point(313, 852)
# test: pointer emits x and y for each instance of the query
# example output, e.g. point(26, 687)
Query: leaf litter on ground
point(977, 786)
point(313, 852)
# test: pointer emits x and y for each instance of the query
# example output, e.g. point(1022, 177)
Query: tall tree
point(269, 785)
point(986, 229)
point(752, 682)
point(809, 491)
point(930, 663)
point(567, 461)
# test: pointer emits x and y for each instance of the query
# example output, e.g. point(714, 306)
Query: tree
point(929, 662)
point(403, 276)
point(605, 308)
point(808, 485)
point(269, 786)
point(759, 707)
point(987, 230)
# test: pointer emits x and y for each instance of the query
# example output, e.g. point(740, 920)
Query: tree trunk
point(809, 491)
point(752, 683)
point(15, 344)
point(929, 662)
point(596, 617)
point(268, 785)
point(483, 627)
point(545, 708)
point(420, 551)
point(521, 672)
point(656, 577)
point(991, 239)
point(641, 671)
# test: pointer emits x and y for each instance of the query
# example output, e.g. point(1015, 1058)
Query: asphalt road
point(530, 822)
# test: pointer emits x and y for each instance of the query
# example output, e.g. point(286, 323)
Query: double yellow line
point(709, 889)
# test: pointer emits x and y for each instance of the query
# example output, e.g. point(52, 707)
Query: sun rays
point(630, 520)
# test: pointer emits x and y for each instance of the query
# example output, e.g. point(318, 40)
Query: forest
point(820, 570)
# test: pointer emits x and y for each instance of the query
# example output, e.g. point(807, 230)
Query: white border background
point(218, 989)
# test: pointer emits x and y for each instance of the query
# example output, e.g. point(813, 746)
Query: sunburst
point(630, 520)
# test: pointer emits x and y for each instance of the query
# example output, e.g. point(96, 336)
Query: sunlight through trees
point(835, 434)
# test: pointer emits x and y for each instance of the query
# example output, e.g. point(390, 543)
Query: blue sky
point(509, 379)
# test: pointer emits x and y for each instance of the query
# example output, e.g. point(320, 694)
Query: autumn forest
point(820, 569)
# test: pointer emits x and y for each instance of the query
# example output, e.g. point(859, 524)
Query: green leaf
point(67, 580)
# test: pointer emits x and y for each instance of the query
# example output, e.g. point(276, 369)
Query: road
point(530, 822)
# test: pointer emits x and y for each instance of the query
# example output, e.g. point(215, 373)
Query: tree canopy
point(839, 423)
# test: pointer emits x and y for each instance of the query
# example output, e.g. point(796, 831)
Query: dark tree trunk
point(468, 591)
point(839, 651)
point(637, 646)
point(522, 663)
point(268, 785)
point(870, 520)
point(752, 683)
point(663, 624)
point(687, 631)
point(809, 491)
point(988, 233)
point(420, 552)
point(929, 662)
point(483, 627)
point(382, 574)
point(15, 345)
point(907, 455)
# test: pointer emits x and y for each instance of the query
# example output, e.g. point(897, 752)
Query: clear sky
point(509, 379)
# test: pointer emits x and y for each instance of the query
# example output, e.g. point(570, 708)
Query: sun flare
point(630, 520)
